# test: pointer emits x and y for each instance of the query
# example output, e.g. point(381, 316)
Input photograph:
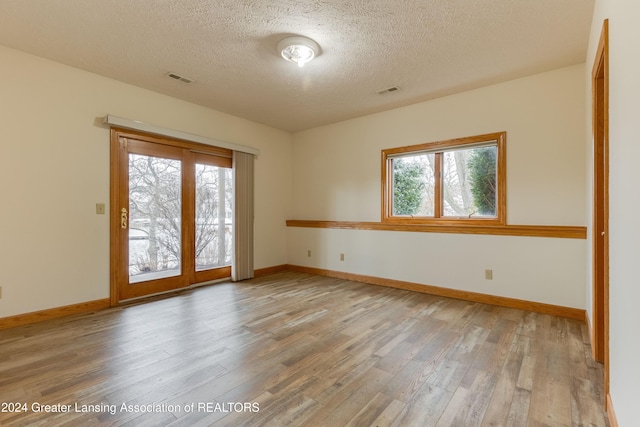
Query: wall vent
point(388, 90)
point(178, 77)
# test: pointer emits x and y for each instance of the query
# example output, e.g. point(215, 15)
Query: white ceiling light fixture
point(298, 49)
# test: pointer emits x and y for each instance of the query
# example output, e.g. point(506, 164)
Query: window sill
point(444, 221)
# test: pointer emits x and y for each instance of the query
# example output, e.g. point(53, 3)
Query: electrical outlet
point(100, 208)
point(341, 257)
point(0, 292)
point(309, 253)
point(488, 274)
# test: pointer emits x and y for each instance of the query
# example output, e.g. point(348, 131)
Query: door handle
point(123, 218)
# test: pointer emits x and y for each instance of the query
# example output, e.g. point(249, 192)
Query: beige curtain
point(242, 266)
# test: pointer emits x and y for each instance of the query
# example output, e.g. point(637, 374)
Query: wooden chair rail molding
point(557, 231)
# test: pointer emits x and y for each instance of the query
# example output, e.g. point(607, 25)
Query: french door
point(171, 214)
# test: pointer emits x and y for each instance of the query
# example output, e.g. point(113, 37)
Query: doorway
point(600, 229)
point(171, 214)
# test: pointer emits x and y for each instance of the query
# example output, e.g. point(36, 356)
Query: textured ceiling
point(428, 48)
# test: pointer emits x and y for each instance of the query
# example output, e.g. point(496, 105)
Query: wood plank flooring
point(301, 350)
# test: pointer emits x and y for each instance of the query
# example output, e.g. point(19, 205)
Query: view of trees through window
point(468, 183)
point(214, 216)
point(155, 211)
point(413, 185)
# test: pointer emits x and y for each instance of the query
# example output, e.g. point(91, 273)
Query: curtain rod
point(144, 127)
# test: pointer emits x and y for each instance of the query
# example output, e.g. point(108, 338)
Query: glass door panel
point(155, 217)
point(214, 217)
point(150, 224)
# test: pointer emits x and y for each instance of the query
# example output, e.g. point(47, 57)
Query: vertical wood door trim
point(188, 259)
point(600, 226)
point(114, 202)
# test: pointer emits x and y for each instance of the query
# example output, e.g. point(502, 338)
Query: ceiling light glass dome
point(298, 50)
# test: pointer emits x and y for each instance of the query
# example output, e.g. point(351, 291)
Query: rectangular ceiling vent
point(178, 77)
point(388, 90)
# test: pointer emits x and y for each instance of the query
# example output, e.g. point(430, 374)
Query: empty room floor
point(301, 350)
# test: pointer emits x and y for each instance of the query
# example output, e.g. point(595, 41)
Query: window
point(460, 181)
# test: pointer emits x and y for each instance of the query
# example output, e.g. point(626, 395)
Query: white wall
point(624, 227)
point(54, 249)
point(337, 177)
point(541, 269)
point(337, 167)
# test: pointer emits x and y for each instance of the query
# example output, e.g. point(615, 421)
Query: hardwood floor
point(305, 351)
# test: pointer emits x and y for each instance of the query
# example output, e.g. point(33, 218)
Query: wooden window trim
point(441, 146)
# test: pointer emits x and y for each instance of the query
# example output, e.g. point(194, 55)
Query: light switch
point(100, 208)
